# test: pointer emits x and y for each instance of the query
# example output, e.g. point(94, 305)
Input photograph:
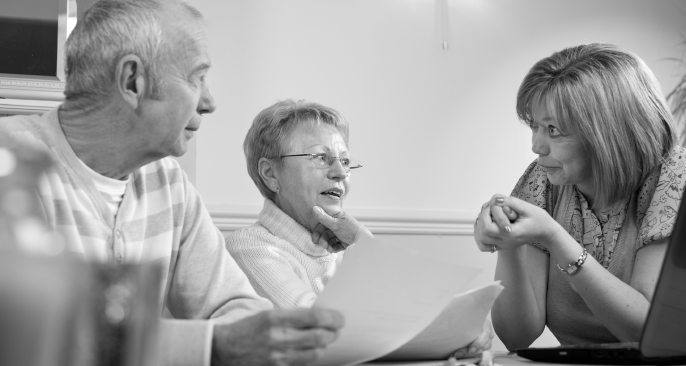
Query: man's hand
point(337, 232)
point(278, 337)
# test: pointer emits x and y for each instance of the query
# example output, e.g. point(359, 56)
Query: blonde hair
point(271, 129)
point(612, 101)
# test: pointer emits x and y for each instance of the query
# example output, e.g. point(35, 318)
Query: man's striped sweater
point(161, 219)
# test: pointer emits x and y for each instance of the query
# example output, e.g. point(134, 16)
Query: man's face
point(184, 95)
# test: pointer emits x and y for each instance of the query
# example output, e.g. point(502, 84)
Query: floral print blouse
point(658, 202)
point(612, 237)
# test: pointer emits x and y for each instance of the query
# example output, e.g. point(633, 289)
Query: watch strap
point(574, 267)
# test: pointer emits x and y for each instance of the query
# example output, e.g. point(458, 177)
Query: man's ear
point(131, 80)
point(268, 173)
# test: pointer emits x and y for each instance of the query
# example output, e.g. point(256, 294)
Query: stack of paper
point(402, 304)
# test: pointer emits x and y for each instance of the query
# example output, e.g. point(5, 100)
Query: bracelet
point(574, 267)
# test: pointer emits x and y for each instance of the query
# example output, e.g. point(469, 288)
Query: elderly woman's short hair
point(612, 101)
point(109, 30)
point(271, 129)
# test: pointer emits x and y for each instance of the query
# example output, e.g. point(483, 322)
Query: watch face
point(574, 267)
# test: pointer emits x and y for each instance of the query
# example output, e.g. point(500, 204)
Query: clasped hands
point(506, 223)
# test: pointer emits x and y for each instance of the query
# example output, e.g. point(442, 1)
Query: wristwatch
point(574, 267)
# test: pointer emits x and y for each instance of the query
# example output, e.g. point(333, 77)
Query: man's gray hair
point(109, 30)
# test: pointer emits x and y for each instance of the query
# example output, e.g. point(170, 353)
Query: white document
point(454, 328)
point(387, 295)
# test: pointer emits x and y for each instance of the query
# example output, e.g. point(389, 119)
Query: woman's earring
point(276, 188)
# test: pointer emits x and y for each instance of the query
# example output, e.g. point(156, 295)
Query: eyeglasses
point(324, 160)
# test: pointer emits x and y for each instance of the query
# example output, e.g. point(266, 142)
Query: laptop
point(663, 340)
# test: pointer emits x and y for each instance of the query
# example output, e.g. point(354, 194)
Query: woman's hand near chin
point(337, 232)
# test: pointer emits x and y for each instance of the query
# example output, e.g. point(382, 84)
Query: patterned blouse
point(612, 237)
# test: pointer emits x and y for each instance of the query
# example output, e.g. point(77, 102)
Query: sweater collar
point(286, 228)
point(72, 161)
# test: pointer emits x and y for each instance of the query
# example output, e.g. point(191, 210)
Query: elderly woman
point(297, 155)
point(582, 237)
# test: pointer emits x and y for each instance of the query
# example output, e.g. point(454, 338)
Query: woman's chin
point(330, 206)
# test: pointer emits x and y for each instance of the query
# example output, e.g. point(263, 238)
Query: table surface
point(500, 358)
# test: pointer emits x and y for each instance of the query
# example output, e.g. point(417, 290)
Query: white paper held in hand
point(387, 295)
point(455, 327)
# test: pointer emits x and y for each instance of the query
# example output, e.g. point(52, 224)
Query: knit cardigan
point(161, 219)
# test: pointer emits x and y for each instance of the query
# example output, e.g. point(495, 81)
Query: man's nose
point(206, 104)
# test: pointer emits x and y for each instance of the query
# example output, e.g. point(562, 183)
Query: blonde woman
point(581, 239)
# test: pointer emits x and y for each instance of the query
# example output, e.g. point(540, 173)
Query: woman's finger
point(483, 247)
point(516, 204)
point(486, 242)
point(511, 214)
point(323, 217)
point(486, 232)
point(336, 245)
point(479, 229)
point(499, 215)
point(487, 223)
point(317, 233)
point(327, 235)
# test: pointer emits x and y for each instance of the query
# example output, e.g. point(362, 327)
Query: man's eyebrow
point(201, 67)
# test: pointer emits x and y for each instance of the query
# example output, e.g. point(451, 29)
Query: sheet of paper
point(387, 295)
point(456, 327)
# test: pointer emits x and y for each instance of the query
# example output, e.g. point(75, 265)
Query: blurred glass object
point(39, 310)
point(57, 309)
point(22, 225)
point(121, 329)
point(66, 312)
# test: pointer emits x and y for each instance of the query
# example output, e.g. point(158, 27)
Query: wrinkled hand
point(481, 343)
point(508, 223)
point(337, 232)
point(288, 337)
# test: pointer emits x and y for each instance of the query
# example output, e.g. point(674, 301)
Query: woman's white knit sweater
point(280, 259)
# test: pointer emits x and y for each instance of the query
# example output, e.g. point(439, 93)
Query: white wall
point(436, 128)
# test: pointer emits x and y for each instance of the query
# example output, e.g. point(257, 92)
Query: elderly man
point(135, 94)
